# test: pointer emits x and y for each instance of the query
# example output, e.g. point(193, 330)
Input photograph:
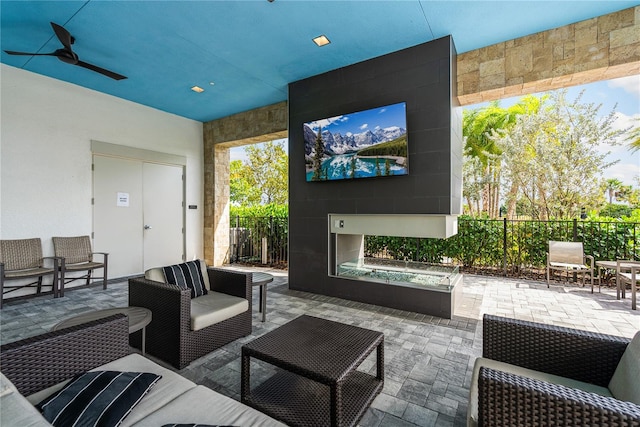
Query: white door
point(129, 194)
point(117, 213)
point(163, 215)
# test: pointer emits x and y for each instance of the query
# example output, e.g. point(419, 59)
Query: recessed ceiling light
point(197, 89)
point(321, 40)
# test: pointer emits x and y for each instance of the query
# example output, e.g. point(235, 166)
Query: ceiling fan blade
point(13, 52)
point(63, 35)
point(107, 73)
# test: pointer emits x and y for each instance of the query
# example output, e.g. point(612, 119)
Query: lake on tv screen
point(370, 143)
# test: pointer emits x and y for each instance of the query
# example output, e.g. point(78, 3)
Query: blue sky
point(358, 122)
point(625, 92)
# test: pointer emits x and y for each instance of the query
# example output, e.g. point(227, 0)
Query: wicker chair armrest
point(508, 400)
point(169, 304)
point(231, 282)
point(35, 363)
point(584, 356)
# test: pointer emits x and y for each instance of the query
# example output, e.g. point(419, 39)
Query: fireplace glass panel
point(403, 273)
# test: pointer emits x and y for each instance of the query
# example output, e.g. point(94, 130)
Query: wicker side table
point(318, 383)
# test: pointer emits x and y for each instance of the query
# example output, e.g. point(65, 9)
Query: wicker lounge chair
point(170, 336)
point(78, 256)
point(570, 258)
point(22, 259)
point(541, 375)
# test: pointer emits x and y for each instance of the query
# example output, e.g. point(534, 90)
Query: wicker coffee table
point(317, 383)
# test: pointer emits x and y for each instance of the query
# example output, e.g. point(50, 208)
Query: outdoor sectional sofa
point(183, 328)
point(35, 368)
point(542, 375)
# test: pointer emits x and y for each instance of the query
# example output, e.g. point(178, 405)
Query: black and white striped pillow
point(193, 425)
point(187, 276)
point(98, 398)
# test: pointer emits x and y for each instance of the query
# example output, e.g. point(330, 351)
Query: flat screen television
point(366, 144)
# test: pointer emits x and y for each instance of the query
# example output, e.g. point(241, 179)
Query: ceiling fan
point(66, 54)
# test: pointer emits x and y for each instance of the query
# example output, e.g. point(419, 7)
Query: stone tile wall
point(600, 48)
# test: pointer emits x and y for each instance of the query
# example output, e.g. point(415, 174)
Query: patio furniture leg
point(633, 289)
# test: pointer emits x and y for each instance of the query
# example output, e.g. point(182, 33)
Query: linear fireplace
point(408, 285)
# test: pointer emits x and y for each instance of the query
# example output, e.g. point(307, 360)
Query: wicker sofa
point(540, 375)
point(183, 329)
point(34, 368)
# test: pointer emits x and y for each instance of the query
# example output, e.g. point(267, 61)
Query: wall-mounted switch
point(341, 224)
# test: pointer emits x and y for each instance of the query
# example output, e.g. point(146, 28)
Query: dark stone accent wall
point(422, 77)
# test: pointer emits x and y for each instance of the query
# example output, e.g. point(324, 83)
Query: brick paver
point(428, 360)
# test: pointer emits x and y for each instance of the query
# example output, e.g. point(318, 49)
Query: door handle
point(147, 227)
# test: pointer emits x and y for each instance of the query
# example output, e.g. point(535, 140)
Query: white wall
point(45, 169)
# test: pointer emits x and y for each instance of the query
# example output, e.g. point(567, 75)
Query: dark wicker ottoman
point(317, 383)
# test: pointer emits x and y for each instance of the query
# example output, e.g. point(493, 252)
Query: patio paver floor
point(428, 360)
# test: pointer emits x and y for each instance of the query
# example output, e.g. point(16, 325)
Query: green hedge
point(480, 243)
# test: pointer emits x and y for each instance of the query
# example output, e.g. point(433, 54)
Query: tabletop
point(316, 347)
point(627, 265)
point(260, 278)
point(138, 317)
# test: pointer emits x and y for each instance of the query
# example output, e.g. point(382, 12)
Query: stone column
point(251, 127)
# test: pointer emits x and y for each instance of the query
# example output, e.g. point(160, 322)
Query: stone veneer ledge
point(601, 48)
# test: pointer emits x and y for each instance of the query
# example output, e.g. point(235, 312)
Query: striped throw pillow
point(187, 276)
point(193, 425)
point(99, 398)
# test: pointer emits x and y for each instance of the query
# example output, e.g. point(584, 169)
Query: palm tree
point(613, 186)
point(479, 128)
point(634, 137)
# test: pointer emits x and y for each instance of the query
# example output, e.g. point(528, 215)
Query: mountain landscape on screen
point(370, 143)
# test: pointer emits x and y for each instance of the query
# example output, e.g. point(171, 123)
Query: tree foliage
point(263, 179)
point(553, 157)
point(634, 136)
point(542, 156)
point(482, 155)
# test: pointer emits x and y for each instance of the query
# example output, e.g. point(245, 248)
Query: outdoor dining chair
point(570, 258)
point(77, 256)
point(22, 260)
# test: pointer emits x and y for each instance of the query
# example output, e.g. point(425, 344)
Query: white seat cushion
point(625, 383)
point(15, 409)
point(215, 307)
point(472, 413)
point(170, 386)
point(204, 406)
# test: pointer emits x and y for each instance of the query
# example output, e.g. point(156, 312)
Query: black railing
point(496, 246)
point(259, 240)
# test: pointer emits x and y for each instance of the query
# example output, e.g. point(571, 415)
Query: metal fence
point(259, 240)
point(497, 246)
point(512, 247)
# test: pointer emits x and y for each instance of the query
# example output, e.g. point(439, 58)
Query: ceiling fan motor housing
point(65, 56)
